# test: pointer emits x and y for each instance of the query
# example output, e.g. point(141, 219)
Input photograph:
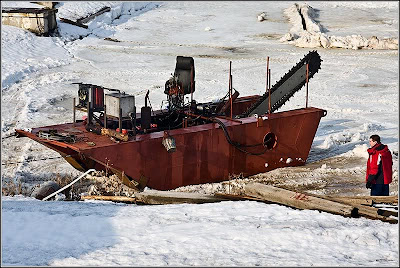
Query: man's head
point(374, 139)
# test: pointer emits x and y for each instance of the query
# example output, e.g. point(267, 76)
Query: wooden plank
point(153, 197)
point(298, 200)
point(123, 199)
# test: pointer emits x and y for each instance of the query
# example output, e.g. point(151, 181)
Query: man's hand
point(370, 181)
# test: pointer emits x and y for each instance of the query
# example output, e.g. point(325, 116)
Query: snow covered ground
point(358, 88)
point(229, 233)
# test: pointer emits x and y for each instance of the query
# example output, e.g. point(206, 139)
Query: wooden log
point(240, 197)
point(153, 197)
point(365, 208)
point(367, 199)
point(298, 200)
point(123, 199)
point(376, 214)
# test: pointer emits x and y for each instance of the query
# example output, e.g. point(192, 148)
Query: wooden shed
point(41, 21)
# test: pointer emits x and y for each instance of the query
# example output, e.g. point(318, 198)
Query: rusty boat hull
point(202, 155)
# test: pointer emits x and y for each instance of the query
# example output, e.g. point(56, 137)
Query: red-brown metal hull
point(202, 154)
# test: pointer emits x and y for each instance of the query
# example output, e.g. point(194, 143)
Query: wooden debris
point(73, 23)
point(153, 197)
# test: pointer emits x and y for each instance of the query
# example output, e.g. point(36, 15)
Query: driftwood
point(153, 197)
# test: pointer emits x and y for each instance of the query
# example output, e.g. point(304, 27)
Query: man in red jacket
point(379, 167)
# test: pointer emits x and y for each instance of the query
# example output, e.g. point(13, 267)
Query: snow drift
point(307, 32)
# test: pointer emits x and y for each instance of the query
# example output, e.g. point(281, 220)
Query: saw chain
point(289, 84)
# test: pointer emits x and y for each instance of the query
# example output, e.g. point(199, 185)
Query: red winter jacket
point(380, 154)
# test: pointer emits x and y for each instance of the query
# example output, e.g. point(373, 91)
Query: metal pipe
point(73, 109)
point(191, 85)
point(269, 91)
point(105, 116)
point(120, 119)
point(307, 85)
point(266, 84)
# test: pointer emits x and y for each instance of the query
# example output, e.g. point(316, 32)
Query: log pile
point(354, 206)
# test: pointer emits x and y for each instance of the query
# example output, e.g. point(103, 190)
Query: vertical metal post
point(266, 84)
point(269, 91)
point(191, 90)
point(307, 85)
point(105, 116)
point(89, 114)
point(230, 86)
point(120, 120)
point(73, 110)
point(134, 121)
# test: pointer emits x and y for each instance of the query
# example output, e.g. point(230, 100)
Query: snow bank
point(308, 33)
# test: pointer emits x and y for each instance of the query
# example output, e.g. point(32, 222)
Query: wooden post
point(298, 200)
point(73, 110)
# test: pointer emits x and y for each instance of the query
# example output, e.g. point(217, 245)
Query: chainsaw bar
point(289, 84)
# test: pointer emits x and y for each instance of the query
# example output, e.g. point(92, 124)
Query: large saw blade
point(289, 84)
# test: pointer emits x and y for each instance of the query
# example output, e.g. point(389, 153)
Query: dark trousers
point(380, 190)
